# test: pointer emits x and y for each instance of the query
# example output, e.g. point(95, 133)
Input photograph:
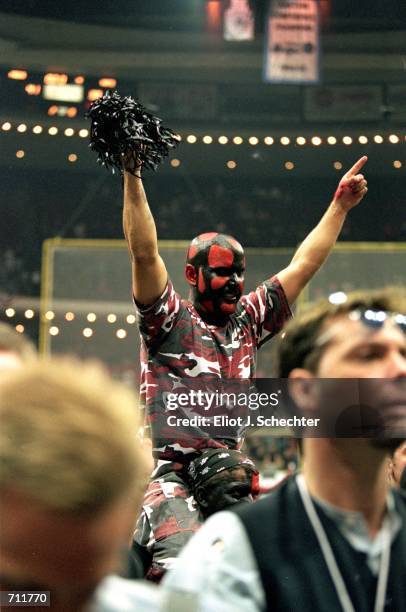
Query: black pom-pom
point(122, 128)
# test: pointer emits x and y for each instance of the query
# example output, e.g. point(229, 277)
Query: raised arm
point(316, 247)
point(149, 275)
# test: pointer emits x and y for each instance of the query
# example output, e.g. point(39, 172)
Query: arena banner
point(239, 23)
point(292, 53)
point(344, 103)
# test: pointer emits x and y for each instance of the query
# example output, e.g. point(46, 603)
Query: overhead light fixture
point(393, 138)
point(32, 89)
point(17, 75)
point(94, 94)
point(53, 78)
point(108, 82)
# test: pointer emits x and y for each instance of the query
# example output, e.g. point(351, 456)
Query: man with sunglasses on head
point(334, 536)
point(215, 334)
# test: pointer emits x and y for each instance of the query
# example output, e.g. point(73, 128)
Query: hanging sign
point(292, 42)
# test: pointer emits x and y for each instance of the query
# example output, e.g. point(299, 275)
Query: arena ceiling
point(166, 43)
point(362, 40)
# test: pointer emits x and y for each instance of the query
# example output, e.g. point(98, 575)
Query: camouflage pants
point(168, 519)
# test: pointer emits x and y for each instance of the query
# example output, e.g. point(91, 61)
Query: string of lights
point(57, 326)
point(207, 139)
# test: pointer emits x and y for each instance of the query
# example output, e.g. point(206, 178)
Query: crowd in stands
point(258, 212)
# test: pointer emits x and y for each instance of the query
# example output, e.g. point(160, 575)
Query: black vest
point(294, 573)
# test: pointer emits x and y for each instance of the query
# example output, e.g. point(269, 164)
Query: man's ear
point(303, 389)
point(191, 275)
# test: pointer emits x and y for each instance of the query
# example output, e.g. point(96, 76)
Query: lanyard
point(331, 562)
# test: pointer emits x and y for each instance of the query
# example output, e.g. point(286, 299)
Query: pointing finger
point(357, 166)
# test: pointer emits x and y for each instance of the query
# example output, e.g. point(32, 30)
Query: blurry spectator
point(14, 348)
point(72, 478)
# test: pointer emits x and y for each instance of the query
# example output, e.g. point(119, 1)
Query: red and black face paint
point(215, 269)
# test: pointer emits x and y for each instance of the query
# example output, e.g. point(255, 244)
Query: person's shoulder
point(271, 501)
point(117, 594)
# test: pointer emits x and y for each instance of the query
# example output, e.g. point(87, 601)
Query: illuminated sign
point(63, 93)
point(292, 39)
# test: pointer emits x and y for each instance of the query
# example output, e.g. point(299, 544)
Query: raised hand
point(131, 163)
point(352, 187)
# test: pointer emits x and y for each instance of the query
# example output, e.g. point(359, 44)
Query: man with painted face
point(214, 335)
point(215, 270)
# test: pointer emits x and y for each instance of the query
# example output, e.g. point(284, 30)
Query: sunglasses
point(374, 320)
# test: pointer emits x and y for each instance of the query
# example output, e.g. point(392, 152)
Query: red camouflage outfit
point(177, 344)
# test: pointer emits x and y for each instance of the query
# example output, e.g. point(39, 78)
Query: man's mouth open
point(232, 298)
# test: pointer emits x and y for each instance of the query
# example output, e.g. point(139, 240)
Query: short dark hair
point(296, 348)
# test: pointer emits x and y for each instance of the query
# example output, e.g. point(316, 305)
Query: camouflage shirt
point(176, 344)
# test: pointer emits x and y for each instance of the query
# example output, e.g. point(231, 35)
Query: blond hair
point(11, 340)
point(69, 436)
